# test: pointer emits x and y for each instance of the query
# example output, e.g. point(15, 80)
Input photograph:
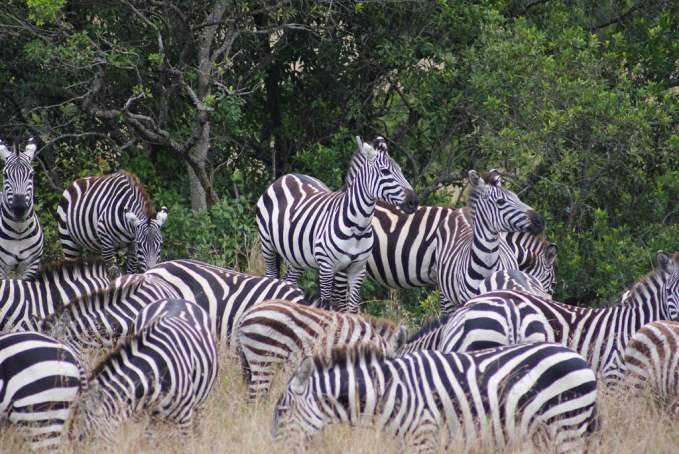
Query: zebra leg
point(108, 249)
point(272, 261)
point(425, 435)
point(131, 258)
point(325, 283)
point(28, 273)
point(339, 291)
point(354, 282)
point(293, 274)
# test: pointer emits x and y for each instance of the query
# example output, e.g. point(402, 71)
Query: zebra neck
point(645, 301)
point(18, 226)
point(357, 395)
point(485, 249)
point(358, 207)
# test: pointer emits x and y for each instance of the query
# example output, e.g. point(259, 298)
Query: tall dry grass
point(631, 424)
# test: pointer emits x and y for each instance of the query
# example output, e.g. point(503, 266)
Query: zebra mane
point(344, 355)
point(149, 210)
point(639, 284)
point(427, 327)
point(69, 265)
point(472, 193)
point(381, 325)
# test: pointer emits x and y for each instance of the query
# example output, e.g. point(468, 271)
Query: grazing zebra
point(499, 396)
point(486, 321)
point(101, 318)
point(299, 219)
point(21, 238)
point(651, 358)
point(39, 379)
point(280, 332)
point(513, 280)
point(469, 249)
point(531, 254)
point(106, 213)
point(52, 287)
point(601, 335)
point(224, 294)
point(166, 368)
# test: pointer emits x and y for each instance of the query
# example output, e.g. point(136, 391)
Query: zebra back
point(428, 337)
point(513, 280)
point(39, 380)
point(21, 237)
point(166, 368)
point(502, 394)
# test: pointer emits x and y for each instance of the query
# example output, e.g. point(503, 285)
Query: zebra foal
point(166, 368)
point(39, 380)
point(280, 331)
point(106, 213)
point(498, 396)
point(310, 227)
point(21, 237)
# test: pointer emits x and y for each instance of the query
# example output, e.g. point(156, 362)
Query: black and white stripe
point(223, 293)
point(513, 280)
point(499, 396)
point(21, 237)
point(52, 287)
point(165, 369)
point(277, 331)
point(300, 220)
point(468, 249)
point(106, 213)
point(39, 380)
point(101, 318)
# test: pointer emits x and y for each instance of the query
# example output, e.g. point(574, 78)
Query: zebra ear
point(550, 254)
point(4, 151)
point(401, 337)
point(132, 218)
point(495, 178)
point(161, 217)
point(475, 179)
point(665, 262)
point(31, 147)
point(366, 149)
point(303, 373)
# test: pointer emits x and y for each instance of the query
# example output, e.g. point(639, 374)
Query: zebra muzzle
point(411, 202)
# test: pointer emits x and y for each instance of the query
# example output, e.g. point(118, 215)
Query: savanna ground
point(630, 424)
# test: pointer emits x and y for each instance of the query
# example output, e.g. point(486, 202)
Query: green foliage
point(41, 11)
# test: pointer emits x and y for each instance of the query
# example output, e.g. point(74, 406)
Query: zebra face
point(540, 265)
point(297, 414)
point(501, 209)
point(670, 266)
point(17, 187)
point(148, 239)
point(386, 178)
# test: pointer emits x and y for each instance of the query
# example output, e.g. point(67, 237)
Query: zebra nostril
point(537, 223)
point(410, 203)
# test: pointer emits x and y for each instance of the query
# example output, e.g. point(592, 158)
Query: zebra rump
point(39, 380)
point(284, 332)
point(165, 368)
point(496, 396)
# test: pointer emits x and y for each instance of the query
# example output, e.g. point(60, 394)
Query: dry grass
point(228, 424)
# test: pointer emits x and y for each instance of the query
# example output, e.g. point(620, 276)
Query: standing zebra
point(106, 213)
point(166, 368)
point(299, 219)
point(280, 331)
point(101, 318)
point(497, 395)
point(224, 294)
point(651, 358)
point(52, 287)
point(21, 238)
point(39, 379)
point(486, 321)
point(601, 335)
point(468, 250)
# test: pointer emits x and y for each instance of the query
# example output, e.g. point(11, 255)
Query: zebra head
point(147, 239)
point(540, 265)
point(669, 265)
point(500, 209)
point(17, 188)
point(385, 178)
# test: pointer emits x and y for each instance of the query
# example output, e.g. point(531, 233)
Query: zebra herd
point(503, 363)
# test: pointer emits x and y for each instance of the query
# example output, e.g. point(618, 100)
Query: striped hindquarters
point(39, 380)
point(281, 332)
point(652, 359)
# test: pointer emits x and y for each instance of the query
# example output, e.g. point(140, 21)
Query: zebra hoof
point(113, 272)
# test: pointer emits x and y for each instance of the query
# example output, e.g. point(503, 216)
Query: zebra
point(469, 249)
point(223, 293)
point(299, 219)
point(39, 380)
point(53, 286)
point(103, 214)
point(651, 358)
point(601, 335)
point(513, 280)
point(166, 367)
point(279, 331)
point(21, 237)
point(486, 321)
point(499, 395)
point(103, 317)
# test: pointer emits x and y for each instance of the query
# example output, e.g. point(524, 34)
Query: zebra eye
point(385, 171)
point(502, 202)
